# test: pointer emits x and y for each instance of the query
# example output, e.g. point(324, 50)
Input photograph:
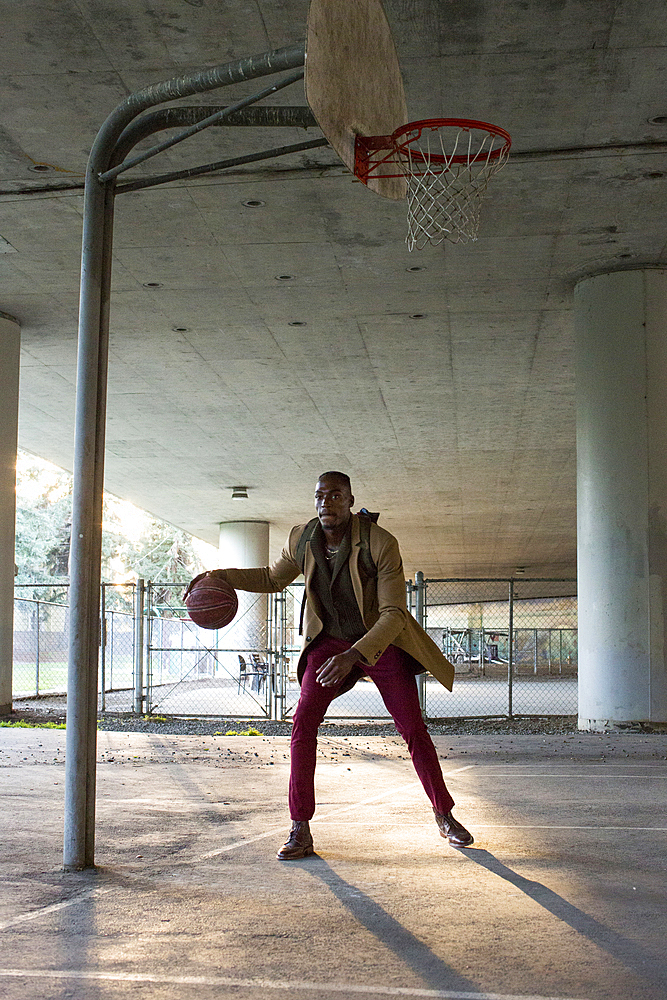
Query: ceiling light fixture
point(657, 120)
point(415, 267)
point(180, 329)
point(284, 277)
point(253, 203)
point(41, 168)
point(152, 284)
point(297, 322)
point(239, 492)
point(417, 315)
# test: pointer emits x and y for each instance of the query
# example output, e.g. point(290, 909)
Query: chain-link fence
point(220, 672)
point(513, 644)
point(41, 637)
point(118, 636)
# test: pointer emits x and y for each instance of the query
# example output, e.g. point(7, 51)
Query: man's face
point(333, 501)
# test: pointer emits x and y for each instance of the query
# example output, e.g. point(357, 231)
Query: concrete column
point(244, 545)
point(621, 376)
point(10, 342)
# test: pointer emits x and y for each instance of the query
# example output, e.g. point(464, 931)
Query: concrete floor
point(563, 894)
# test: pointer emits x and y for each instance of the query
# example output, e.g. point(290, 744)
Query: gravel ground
point(53, 710)
point(36, 711)
point(266, 728)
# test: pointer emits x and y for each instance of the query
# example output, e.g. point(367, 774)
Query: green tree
point(158, 551)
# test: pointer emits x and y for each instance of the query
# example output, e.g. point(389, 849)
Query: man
point(356, 623)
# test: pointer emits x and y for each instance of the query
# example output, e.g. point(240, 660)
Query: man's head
point(333, 500)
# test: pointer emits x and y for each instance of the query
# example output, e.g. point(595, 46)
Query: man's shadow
point(632, 955)
point(388, 931)
point(434, 971)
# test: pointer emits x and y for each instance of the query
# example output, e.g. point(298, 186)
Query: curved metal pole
point(262, 116)
point(213, 118)
point(91, 391)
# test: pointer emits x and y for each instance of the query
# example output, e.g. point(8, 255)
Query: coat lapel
point(355, 544)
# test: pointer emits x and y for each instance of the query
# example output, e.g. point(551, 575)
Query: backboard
point(353, 79)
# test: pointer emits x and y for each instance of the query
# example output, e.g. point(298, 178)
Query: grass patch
point(22, 724)
point(240, 732)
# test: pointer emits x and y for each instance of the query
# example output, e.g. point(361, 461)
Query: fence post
point(271, 705)
point(103, 645)
point(409, 589)
point(510, 650)
point(277, 672)
point(37, 649)
point(139, 600)
point(420, 615)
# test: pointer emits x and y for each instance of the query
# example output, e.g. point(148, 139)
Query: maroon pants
point(398, 687)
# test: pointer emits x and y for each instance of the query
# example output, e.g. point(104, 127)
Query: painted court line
point(553, 826)
point(333, 812)
point(644, 763)
point(265, 984)
point(634, 777)
point(52, 908)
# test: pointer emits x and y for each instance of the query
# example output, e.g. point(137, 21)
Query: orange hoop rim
point(404, 145)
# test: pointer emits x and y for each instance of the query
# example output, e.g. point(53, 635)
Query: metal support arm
point(211, 119)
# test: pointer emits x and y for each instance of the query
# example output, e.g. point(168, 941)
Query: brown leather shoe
point(453, 831)
point(299, 844)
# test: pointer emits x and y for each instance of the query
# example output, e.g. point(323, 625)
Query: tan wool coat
point(381, 600)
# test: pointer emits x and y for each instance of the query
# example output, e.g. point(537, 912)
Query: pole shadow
point(632, 955)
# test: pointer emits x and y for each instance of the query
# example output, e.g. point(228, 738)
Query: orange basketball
point(212, 603)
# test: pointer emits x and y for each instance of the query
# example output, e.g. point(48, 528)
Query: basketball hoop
point(447, 164)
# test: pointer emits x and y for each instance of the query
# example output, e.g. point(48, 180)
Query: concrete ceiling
point(445, 392)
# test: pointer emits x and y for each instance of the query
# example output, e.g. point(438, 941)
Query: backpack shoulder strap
point(365, 558)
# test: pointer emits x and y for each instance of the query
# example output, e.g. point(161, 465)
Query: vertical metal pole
point(420, 608)
point(86, 546)
point(147, 645)
point(510, 650)
point(535, 651)
point(550, 630)
point(139, 602)
point(283, 654)
point(82, 682)
point(103, 645)
point(111, 645)
point(560, 651)
point(37, 649)
point(180, 667)
point(269, 707)
point(272, 679)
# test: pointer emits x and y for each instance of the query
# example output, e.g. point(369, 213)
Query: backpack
point(366, 562)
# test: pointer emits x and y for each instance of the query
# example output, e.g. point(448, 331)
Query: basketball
point(212, 603)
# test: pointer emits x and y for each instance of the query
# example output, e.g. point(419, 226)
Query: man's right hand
point(209, 572)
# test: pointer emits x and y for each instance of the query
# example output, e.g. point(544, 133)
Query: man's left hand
point(336, 668)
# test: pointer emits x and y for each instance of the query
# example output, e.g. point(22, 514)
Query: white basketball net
point(445, 195)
